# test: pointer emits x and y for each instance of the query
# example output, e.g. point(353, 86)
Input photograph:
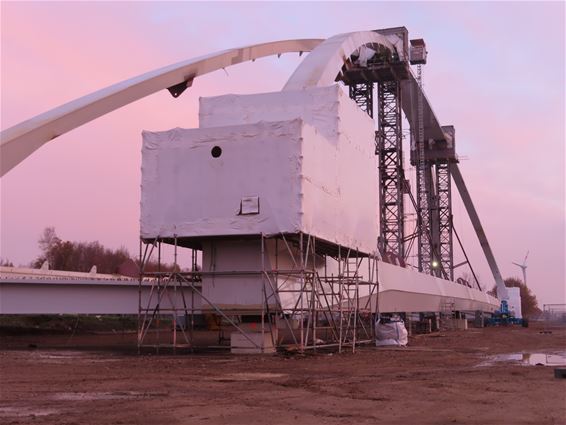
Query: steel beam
point(474, 218)
point(362, 94)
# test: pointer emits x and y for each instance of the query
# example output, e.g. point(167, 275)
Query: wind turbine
point(523, 268)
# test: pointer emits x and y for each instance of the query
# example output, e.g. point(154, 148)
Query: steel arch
point(20, 141)
point(321, 67)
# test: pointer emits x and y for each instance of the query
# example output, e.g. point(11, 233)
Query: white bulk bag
point(392, 333)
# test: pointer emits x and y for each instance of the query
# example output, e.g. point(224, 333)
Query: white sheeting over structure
point(393, 333)
point(306, 156)
point(514, 302)
point(328, 109)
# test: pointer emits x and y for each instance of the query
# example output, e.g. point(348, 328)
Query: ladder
point(447, 314)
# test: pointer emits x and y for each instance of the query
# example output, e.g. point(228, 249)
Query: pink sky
point(495, 72)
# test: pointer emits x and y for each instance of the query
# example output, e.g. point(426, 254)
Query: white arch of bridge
point(20, 141)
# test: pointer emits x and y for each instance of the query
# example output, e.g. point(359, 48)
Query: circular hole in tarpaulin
point(216, 151)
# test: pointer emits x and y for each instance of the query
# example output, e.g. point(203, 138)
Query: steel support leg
point(389, 148)
point(444, 205)
point(362, 94)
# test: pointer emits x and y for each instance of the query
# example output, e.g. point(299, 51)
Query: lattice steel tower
point(424, 180)
point(391, 177)
point(444, 212)
point(384, 71)
point(362, 94)
point(432, 159)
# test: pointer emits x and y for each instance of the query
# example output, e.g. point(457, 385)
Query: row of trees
point(81, 256)
point(78, 256)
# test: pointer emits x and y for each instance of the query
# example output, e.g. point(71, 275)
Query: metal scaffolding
point(424, 184)
point(391, 177)
point(334, 291)
point(431, 158)
point(387, 73)
point(362, 94)
point(444, 211)
point(433, 204)
point(171, 298)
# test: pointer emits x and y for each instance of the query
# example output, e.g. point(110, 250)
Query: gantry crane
point(433, 155)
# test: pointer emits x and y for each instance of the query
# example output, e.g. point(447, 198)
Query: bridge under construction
point(290, 205)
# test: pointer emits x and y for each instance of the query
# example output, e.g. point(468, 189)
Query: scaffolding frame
point(331, 310)
point(424, 185)
point(362, 94)
point(444, 212)
point(164, 286)
point(389, 139)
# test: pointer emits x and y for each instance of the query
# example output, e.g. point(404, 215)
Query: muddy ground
point(441, 378)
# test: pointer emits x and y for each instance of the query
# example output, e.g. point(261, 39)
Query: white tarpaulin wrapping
point(514, 302)
point(392, 333)
point(188, 192)
point(328, 109)
point(310, 169)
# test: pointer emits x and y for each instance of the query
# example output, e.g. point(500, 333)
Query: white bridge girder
point(401, 290)
point(34, 291)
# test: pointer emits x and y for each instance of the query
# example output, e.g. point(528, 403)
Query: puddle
point(61, 357)
point(248, 376)
point(93, 396)
point(528, 359)
point(62, 354)
point(23, 411)
point(223, 360)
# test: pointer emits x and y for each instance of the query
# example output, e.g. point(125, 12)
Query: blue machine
point(504, 317)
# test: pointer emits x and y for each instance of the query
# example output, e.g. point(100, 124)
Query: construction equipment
point(505, 317)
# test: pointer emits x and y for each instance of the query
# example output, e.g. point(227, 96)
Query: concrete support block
point(239, 344)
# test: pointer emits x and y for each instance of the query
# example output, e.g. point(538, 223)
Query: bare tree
point(48, 239)
point(78, 256)
point(81, 256)
point(6, 263)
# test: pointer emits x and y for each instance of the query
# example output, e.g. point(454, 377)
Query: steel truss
point(391, 177)
point(433, 195)
point(171, 297)
point(424, 186)
point(330, 309)
point(362, 94)
point(444, 213)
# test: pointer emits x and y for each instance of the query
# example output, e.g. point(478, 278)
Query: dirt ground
point(441, 378)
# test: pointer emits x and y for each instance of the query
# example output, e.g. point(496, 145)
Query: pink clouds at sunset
point(495, 72)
